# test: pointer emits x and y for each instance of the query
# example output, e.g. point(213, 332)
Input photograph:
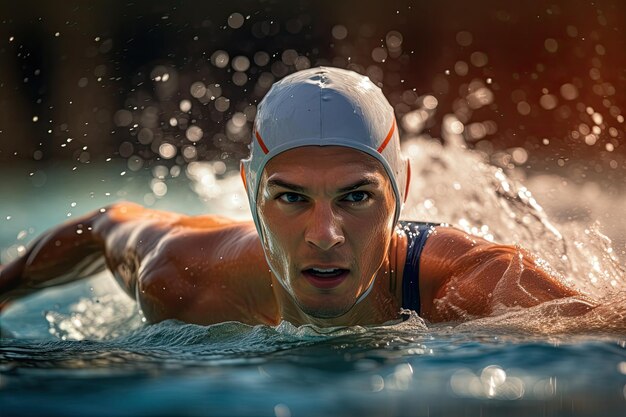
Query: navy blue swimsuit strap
point(416, 234)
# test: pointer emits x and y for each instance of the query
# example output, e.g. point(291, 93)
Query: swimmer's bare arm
point(465, 277)
point(66, 253)
point(79, 248)
point(203, 269)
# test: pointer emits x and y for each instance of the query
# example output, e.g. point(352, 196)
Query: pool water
point(84, 349)
point(173, 368)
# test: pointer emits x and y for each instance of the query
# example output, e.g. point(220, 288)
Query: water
point(233, 369)
point(80, 349)
point(166, 88)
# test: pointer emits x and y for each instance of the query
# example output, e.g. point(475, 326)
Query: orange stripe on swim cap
point(261, 143)
point(243, 175)
point(389, 135)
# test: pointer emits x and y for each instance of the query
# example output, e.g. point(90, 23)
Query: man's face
point(327, 218)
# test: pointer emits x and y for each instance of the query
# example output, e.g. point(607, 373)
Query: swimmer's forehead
point(346, 168)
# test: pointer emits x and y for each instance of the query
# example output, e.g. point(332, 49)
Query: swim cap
point(325, 107)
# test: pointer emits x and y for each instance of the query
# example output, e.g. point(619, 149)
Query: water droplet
point(479, 59)
point(551, 45)
point(379, 54)
point(523, 108)
point(184, 106)
point(548, 101)
point(464, 38)
point(461, 68)
point(220, 58)
point(167, 150)
point(339, 32)
point(394, 40)
point(194, 133)
point(235, 20)
point(569, 91)
point(241, 63)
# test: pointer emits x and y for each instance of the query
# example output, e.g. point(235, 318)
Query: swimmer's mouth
point(325, 272)
point(325, 278)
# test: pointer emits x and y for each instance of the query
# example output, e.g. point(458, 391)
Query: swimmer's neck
point(380, 306)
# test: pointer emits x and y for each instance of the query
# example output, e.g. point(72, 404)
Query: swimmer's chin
point(324, 314)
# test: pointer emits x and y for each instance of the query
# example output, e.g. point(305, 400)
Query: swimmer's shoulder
point(444, 246)
point(441, 237)
point(207, 269)
point(209, 242)
point(127, 212)
point(450, 237)
point(155, 237)
point(438, 262)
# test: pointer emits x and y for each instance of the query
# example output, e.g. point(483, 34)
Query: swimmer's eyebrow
point(359, 184)
point(273, 183)
point(284, 184)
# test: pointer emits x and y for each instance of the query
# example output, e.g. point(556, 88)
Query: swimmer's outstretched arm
point(174, 265)
point(468, 277)
point(116, 236)
point(63, 254)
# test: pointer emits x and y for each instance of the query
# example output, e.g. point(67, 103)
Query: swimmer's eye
point(290, 198)
point(357, 197)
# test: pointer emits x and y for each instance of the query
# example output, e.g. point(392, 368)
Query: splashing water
point(457, 186)
point(102, 318)
point(453, 185)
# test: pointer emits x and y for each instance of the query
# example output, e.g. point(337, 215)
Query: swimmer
point(326, 182)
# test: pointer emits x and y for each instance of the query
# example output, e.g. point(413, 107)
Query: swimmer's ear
point(408, 179)
point(243, 175)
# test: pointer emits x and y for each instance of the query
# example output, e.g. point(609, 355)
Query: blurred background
point(136, 88)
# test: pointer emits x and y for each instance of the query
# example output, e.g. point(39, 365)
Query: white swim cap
point(325, 107)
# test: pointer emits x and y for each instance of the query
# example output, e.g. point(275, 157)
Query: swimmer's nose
point(324, 229)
